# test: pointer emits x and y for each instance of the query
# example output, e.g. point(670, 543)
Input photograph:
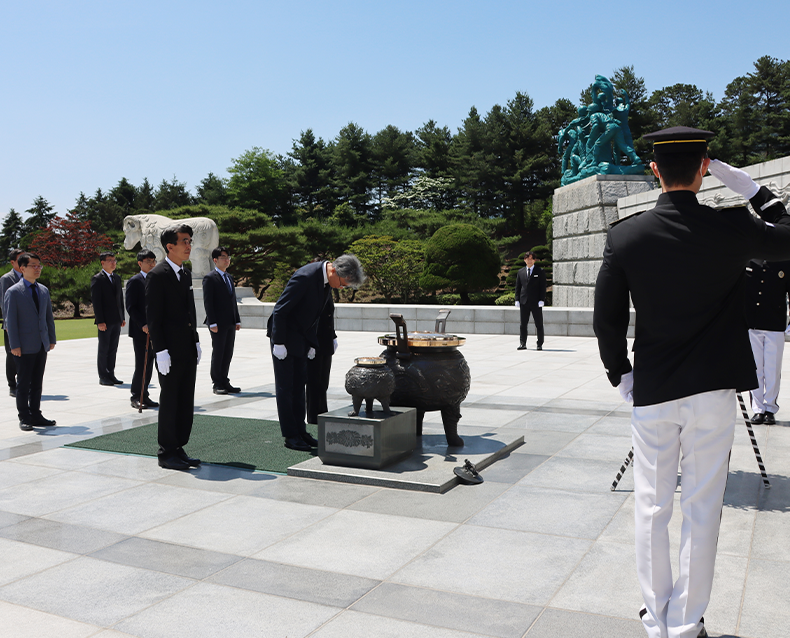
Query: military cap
point(679, 139)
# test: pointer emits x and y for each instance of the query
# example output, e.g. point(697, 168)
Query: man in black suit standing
point(320, 366)
point(691, 355)
point(6, 281)
point(138, 331)
point(107, 300)
point(222, 319)
point(293, 327)
point(530, 297)
point(170, 311)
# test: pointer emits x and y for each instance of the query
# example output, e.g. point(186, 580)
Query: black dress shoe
point(12, 392)
point(522, 347)
point(40, 422)
point(136, 404)
point(181, 453)
point(116, 381)
point(758, 418)
point(173, 463)
point(540, 347)
point(309, 439)
point(218, 390)
point(106, 382)
point(769, 418)
point(25, 427)
point(297, 444)
point(150, 403)
point(702, 633)
point(232, 389)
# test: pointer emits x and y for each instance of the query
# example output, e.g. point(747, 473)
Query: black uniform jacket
point(135, 305)
point(294, 320)
point(532, 291)
point(170, 311)
point(767, 285)
point(326, 334)
point(107, 298)
point(219, 302)
point(684, 267)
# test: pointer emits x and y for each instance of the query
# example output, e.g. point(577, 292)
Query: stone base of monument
point(372, 442)
point(429, 468)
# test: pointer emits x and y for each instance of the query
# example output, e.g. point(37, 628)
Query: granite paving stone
point(22, 559)
point(113, 591)
point(584, 475)
point(311, 585)
point(23, 622)
point(512, 467)
point(227, 611)
point(352, 624)
point(449, 610)
point(63, 536)
point(556, 623)
point(166, 557)
point(508, 565)
point(359, 543)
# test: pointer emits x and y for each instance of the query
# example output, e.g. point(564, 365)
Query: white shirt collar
point(221, 272)
point(144, 274)
point(176, 267)
point(326, 274)
point(109, 274)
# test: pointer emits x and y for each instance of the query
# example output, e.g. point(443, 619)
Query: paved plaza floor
point(107, 545)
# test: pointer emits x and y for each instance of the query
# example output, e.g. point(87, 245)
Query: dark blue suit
point(107, 300)
point(33, 330)
point(222, 311)
point(135, 306)
point(294, 324)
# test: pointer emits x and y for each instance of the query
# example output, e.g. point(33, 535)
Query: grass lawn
point(69, 329)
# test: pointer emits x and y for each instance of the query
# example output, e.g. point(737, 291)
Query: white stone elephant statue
point(147, 230)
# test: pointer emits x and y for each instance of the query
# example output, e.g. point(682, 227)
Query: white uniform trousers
point(699, 431)
point(768, 347)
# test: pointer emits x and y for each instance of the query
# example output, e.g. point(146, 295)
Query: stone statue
point(147, 230)
point(599, 139)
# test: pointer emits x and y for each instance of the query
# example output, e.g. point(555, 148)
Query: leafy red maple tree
point(69, 242)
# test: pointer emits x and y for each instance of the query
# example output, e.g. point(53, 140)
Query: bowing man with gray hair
point(293, 330)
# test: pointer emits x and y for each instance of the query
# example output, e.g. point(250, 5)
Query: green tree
point(393, 158)
point(393, 267)
point(257, 183)
point(172, 194)
point(351, 167)
point(212, 191)
point(123, 195)
point(145, 196)
point(461, 258)
point(41, 213)
point(13, 230)
point(70, 286)
point(310, 176)
point(433, 149)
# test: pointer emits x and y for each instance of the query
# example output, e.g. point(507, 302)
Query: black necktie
point(34, 292)
point(227, 282)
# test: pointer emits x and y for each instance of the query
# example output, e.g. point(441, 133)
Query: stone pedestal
point(367, 442)
point(581, 216)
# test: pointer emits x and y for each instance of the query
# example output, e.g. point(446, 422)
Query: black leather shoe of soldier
point(181, 453)
point(150, 403)
point(769, 418)
point(173, 463)
point(522, 347)
point(297, 444)
point(310, 439)
point(758, 418)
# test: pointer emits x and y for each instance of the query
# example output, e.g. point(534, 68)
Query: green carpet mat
point(250, 444)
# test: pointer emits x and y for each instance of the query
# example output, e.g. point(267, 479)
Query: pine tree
point(11, 233)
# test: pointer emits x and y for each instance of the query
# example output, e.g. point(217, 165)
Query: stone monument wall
point(582, 212)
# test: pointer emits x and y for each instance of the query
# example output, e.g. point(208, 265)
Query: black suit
point(294, 324)
point(107, 300)
point(221, 311)
point(320, 367)
point(170, 311)
point(135, 306)
point(691, 332)
point(529, 291)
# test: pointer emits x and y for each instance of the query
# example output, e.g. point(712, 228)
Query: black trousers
point(176, 405)
point(138, 383)
point(290, 376)
point(29, 381)
point(318, 370)
point(10, 363)
point(537, 316)
point(222, 342)
point(108, 348)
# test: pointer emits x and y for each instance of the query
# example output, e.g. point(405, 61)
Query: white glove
point(334, 346)
point(540, 304)
point(626, 387)
point(734, 178)
point(311, 353)
point(163, 361)
point(518, 305)
point(199, 351)
point(279, 351)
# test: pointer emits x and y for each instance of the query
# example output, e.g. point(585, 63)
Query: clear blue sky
point(93, 91)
